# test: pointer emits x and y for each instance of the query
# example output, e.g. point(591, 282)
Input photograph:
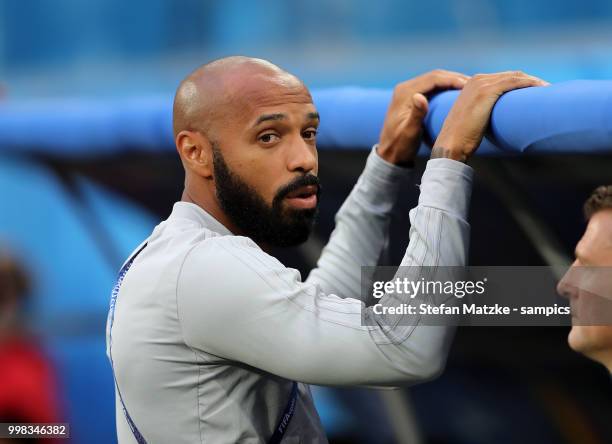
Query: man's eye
point(310, 134)
point(268, 138)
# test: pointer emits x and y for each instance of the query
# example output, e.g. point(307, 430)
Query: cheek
point(269, 182)
point(262, 174)
point(270, 175)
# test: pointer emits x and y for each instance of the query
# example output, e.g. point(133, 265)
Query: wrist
point(441, 152)
point(391, 155)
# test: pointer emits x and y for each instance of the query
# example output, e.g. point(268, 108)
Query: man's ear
point(196, 152)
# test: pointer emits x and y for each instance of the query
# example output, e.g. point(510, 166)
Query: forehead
point(259, 93)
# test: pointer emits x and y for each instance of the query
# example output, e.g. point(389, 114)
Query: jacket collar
point(195, 213)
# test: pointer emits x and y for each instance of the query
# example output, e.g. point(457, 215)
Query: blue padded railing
point(567, 117)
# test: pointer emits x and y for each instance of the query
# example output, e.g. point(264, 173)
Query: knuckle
point(484, 87)
point(398, 89)
point(470, 85)
point(480, 81)
point(483, 92)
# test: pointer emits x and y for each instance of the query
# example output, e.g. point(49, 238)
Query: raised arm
point(362, 223)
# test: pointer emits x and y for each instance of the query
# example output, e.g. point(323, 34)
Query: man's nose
point(302, 157)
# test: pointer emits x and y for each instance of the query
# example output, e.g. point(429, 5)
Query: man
point(213, 340)
point(588, 282)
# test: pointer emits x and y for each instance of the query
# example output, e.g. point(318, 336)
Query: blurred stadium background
point(71, 216)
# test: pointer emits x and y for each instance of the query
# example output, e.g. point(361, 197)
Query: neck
point(208, 203)
point(603, 357)
point(211, 206)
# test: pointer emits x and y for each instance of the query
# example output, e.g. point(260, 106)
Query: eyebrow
point(313, 116)
point(266, 117)
point(281, 116)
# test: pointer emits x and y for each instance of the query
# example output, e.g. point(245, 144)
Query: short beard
point(246, 208)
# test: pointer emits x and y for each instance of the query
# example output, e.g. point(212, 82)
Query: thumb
point(420, 106)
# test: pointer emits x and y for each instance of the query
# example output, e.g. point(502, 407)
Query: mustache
point(297, 183)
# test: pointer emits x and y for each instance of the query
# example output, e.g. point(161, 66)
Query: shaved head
point(212, 92)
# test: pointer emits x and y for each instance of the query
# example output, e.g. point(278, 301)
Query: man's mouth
point(303, 198)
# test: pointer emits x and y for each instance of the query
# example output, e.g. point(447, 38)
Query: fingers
point(502, 82)
point(520, 75)
point(515, 81)
point(450, 80)
point(441, 79)
point(426, 83)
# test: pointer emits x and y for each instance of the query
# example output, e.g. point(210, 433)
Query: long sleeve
point(238, 303)
point(361, 230)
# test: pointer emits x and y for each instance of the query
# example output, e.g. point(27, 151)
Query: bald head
point(245, 131)
point(218, 89)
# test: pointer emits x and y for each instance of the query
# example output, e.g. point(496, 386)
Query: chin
point(590, 339)
point(293, 240)
point(576, 338)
